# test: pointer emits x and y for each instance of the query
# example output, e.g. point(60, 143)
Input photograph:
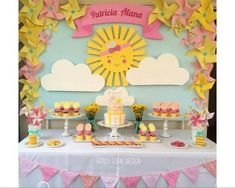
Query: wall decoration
point(117, 12)
point(51, 10)
point(65, 76)
point(182, 15)
point(164, 70)
point(201, 85)
point(121, 92)
point(114, 50)
point(72, 11)
point(205, 15)
point(162, 12)
point(204, 54)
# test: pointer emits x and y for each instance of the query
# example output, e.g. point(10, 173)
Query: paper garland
point(67, 176)
point(41, 15)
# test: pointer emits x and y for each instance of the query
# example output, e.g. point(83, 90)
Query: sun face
point(114, 50)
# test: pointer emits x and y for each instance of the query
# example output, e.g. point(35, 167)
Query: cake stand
point(114, 128)
point(66, 123)
point(165, 133)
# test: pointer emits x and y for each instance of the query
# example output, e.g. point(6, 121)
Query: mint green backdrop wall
point(63, 46)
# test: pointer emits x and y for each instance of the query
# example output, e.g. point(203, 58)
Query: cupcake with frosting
point(66, 109)
point(57, 109)
point(152, 132)
point(174, 109)
point(164, 109)
point(87, 132)
point(143, 133)
point(156, 109)
point(80, 132)
point(76, 108)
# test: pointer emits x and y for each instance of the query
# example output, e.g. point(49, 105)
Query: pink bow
point(116, 48)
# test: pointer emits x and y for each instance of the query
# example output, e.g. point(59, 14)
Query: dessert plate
point(33, 146)
point(55, 146)
point(178, 144)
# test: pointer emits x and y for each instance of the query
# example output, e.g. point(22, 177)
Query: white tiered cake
point(115, 114)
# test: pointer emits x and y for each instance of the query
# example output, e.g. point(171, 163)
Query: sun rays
point(113, 51)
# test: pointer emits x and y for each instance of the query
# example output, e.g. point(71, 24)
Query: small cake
point(76, 108)
point(88, 133)
point(174, 109)
point(164, 109)
point(115, 114)
point(66, 109)
point(32, 139)
point(143, 132)
point(53, 142)
point(200, 140)
point(79, 134)
point(57, 109)
point(71, 108)
point(156, 109)
point(152, 132)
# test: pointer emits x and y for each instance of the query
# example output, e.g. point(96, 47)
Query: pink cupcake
point(156, 109)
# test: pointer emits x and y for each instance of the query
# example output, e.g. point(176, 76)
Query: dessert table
point(152, 158)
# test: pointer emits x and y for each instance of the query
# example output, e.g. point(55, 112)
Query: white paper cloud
point(121, 92)
point(65, 76)
point(164, 70)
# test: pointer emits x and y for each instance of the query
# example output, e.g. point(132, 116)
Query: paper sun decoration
point(115, 53)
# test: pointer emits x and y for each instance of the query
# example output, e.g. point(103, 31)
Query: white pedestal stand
point(165, 133)
point(66, 123)
point(114, 128)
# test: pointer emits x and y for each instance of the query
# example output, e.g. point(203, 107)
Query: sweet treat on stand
point(200, 139)
point(166, 109)
point(32, 139)
point(152, 132)
point(115, 114)
point(174, 109)
point(80, 133)
point(76, 108)
point(57, 109)
point(87, 132)
point(66, 109)
point(143, 132)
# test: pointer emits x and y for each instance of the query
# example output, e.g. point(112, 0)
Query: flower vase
point(91, 120)
point(33, 129)
point(198, 131)
point(138, 121)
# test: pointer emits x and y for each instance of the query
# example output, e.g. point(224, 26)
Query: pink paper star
point(200, 103)
point(183, 13)
point(51, 10)
point(206, 72)
point(199, 35)
point(29, 70)
point(44, 37)
point(186, 40)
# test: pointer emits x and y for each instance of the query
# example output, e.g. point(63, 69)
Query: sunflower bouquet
point(138, 110)
point(91, 111)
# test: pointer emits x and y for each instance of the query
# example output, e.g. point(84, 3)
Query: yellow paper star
point(30, 89)
point(50, 24)
point(178, 28)
point(204, 54)
point(29, 33)
point(72, 11)
point(202, 85)
point(205, 15)
point(32, 53)
point(162, 12)
point(31, 11)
